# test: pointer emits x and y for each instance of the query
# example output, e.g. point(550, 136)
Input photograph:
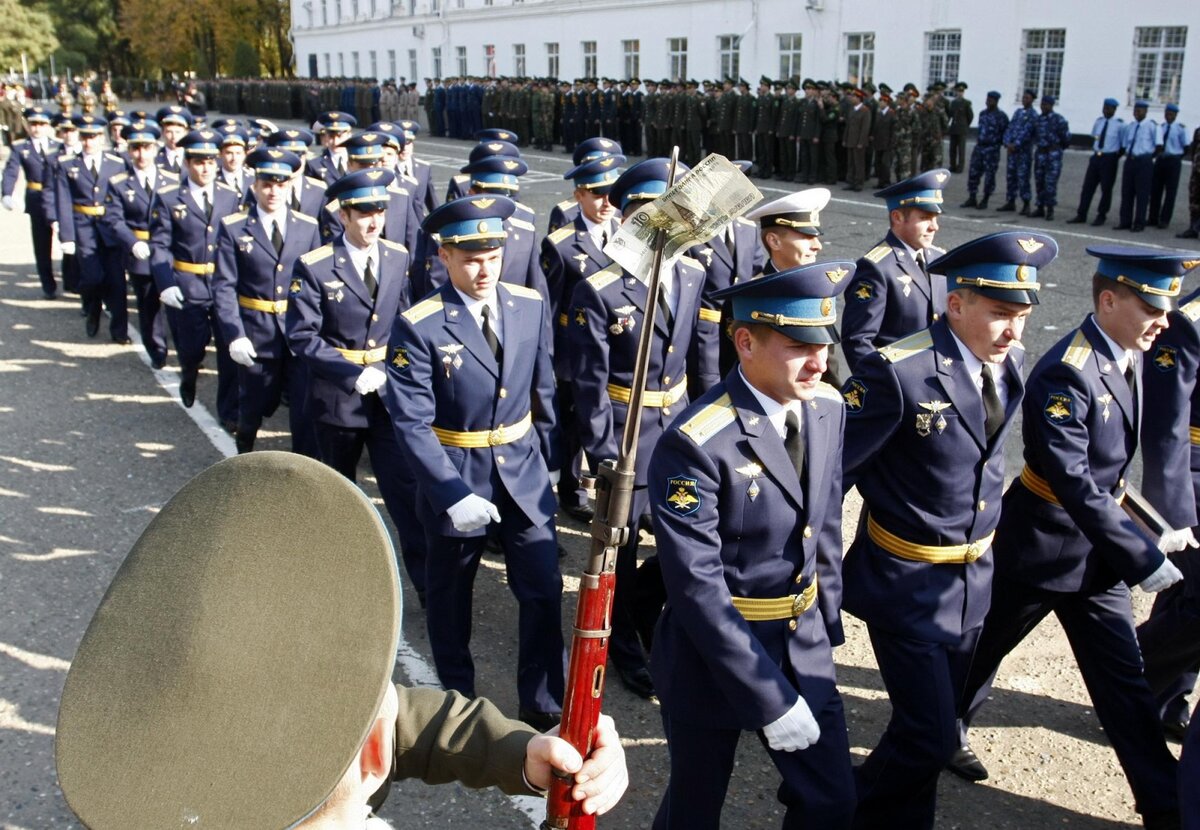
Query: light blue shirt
point(1174, 139)
point(1139, 138)
point(1112, 138)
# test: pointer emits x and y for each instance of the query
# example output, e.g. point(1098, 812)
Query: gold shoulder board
point(1078, 352)
point(907, 347)
point(423, 309)
point(710, 420)
point(317, 254)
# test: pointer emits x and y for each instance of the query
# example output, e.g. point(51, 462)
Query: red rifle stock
point(593, 613)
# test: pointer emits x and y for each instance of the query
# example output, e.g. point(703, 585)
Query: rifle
point(593, 611)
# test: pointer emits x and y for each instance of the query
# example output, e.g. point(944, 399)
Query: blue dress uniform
point(605, 315)
point(1052, 135)
point(564, 212)
point(985, 158)
point(401, 224)
point(490, 175)
point(1102, 164)
point(892, 295)
point(324, 166)
point(127, 207)
point(308, 192)
point(250, 291)
point(1064, 545)
point(78, 206)
point(570, 254)
point(1019, 137)
point(1140, 139)
point(422, 171)
point(177, 116)
point(33, 159)
point(750, 545)
point(1164, 183)
point(474, 421)
point(1170, 638)
point(492, 142)
point(925, 446)
point(338, 327)
point(183, 244)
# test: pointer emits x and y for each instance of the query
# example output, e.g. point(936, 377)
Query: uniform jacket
point(858, 127)
point(74, 185)
point(162, 162)
point(1080, 426)
point(323, 167)
point(562, 214)
point(247, 265)
point(25, 159)
point(400, 220)
point(890, 298)
point(569, 256)
point(884, 131)
point(127, 208)
point(179, 232)
point(442, 373)
point(917, 450)
point(1020, 132)
point(312, 196)
point(329, 309)
point(961, 115)
point(733, 519)
point(604, 323)
point(993, 124)
point(427, 199)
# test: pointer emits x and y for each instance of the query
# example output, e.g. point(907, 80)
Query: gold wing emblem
point(941, 178)
point(682, 499)
point(752, 469)
point(483, 204)
point(852, 398)
point(1165, 360)
point(1030, 246)
point(837, 275)
point(1057, 410)
point(933, 406)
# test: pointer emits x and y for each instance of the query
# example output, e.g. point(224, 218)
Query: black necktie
point(296, 197)
point(793, 442)
point(368, 277)
point(91, 166)
point(1103, 133)
point(603, 239)
point(664, 307)
point(1137, 125)
point(341, 168)
point(277, 239)
point(1131, 379)
point(992, 407)
point(207, 206)
point(489, 333)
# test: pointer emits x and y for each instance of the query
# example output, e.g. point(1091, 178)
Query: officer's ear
point(375, 757)
point(772, 240)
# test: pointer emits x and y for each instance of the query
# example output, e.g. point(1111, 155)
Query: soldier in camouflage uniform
point(1018, 139)
point(985, 158)
point(1052, 136)
point(905, 128)
point(932, 122)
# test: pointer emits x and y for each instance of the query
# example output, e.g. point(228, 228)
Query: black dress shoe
point(121, 340)
point(1007, 207)
point(50, 295)
point(581, 512)
point(157, 363)
point(1162, 226)
point(1120, 227)
point(1175, 728)
point(541, 721)
point(967, 766)
point(1076, 220)
point(971, 202)
point(1099, 221)
point(92, 325)
point(187, 390)
point(1188, 234)
point(1137, 229)
point(638, 681)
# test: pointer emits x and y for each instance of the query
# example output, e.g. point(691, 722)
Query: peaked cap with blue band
point(496, 173)
point(365, 148)
point(173, 114)
point(645, 181)
point(411, 128)
point(799, 302)
point(595, 148)
point(117, 118)
point(492, 147)
point(37, 115)
point(472, 222)
point(597, 175)
point(89, 124)
point(497, 134)
point(200, 144)
point(923, 191)
point(298, 141)
point(232, 134)
point(395, 134)
point(1003, 266)
point(364, 190)
point(141, 132)
point(1155, 276)
point(336, 121)
point(273, 163)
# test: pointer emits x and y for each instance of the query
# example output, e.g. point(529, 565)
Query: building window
point(860, 58)
point(353, 10)
point(519, 59)
point(328, 68)
point(1158, 63)
point(341, 64)
point(729, 48)
point(337, 11)
point(324, 12)
point(489, 60)
point(374, 65)
point(1042, 61)
point(392, 63)
point(789, 55)
point(942, 52)
point(552, 60)
point(677, 58)
point(436, 59)
point(589, 59)
point(461, 53)
point(412, 66)
point(632, 50)
point(435, 6)
point(354, 62)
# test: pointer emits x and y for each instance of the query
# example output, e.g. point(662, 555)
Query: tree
point(26, 30)
point(245, 61)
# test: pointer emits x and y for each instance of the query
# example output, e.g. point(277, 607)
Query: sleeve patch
point(683, 495)
point(1059, 408)
point(863, 291)
point(1165, 358)
point(400, 358)
point(854, 393)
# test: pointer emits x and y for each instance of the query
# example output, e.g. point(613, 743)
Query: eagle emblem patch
point(1165, 359)
point(854, 393)
point(400, 358)
point(863, 291)
point(1059, 407)
point(683, 497)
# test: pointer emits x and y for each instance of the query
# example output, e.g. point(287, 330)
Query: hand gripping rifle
point(593, 614)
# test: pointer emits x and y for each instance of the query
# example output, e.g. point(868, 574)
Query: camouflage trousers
point(1019, 163)
point(932, 153)
point(905, 163)
point(1047, 167)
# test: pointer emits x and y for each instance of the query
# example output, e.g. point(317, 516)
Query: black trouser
point(1163, 188)
point(764, 153)
point(1135, 190)
point(43, 236)
point(1102, 173)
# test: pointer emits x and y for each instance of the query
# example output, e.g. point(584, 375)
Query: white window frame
point(1156, 71)
point(791, 47)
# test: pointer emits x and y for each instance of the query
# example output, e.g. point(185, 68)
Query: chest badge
point(625, 319)
point(925, 420)
point(582, 259)
point(752, 471)
point(906, 282)
point(1105, 400)
point(451, 359)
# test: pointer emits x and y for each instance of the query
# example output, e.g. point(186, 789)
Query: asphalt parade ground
point(93, 442)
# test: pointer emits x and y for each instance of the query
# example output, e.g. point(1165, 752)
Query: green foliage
point(245, 60)
point(28, 30)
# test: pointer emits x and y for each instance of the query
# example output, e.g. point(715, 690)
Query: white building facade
point(1079, 50)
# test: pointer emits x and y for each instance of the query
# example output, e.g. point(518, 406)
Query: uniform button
point(667, 379)
point(499, 459)
point(503, 393)
point(279, 266)
point(982, 505)
point(1120, 482)
point(1105, 367)
point(666, 410)
point(799, 578)
point(210, 247)
point(671, 349)
point(371, 343)
point(808, 532)
point(279, 289)
point(793, 625)
point(210, 228)
point(374, 318)
point(935, 317)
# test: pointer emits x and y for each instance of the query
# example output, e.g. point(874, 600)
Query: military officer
point(117, 120)
point(174, 121)
point(320, 696)
point(883, 140)
point(790, 228)
point(232, 161)
point(1064, 545)
point(856, 139)
point(961, 114)
point(418, 169)
point(492, 141)
point(343, 298)
point(365, 151)
point(605, 315)
point(308, 192)
point(184, 221)
point(1167, 167)
point(472, 387)
point(335, 127)
point(77, 203)
point(1141, 140)
point(256, 254)
point(127, 208)
point(745, 489)
point(1052, 135)
point(1102, 164)
point(32, 156)
point(985, 158)
point(894, 294)
point(590, 149)
point(926, 421)
point(1018, 140)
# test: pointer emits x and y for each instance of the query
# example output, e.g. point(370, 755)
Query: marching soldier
point(183, 242)
point(494, 141)
point(335, 129)
point(881, 306)
point(1018, 140)
point(912, 459)
point(985, 158)
point(307, 194)
point(1052, 135)
point(256, 254)
point(32, 157)
point(961, 115)
point(472, 384)
point(591, 149)
point(1064, 545)
point(127, 208)
point(745, 487)
point(232, 161)
point(409, 165)
point(790, 229)
point(364, 152)
point(1102, 164)
point(174, 121)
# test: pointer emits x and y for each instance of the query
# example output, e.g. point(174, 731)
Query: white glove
point(141, 250)
point(1166, 576)
point(241, 351)
point(370, 380)
point(1174, 541)
point(7, 202)
point(173, 297)
point(68, 248)
point(555, 476)
point(472, 513)
point(797, 729)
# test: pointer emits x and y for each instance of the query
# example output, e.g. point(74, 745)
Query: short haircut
point(1102, 283)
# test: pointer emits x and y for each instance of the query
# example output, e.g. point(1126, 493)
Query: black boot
point(1037, 214)
point(971, 202)
point(1007, 207)
point(1025, 209)
point(244, 442)
point(983, 203)
point(1077, 219)
point(1049, 214)
point(187, 386)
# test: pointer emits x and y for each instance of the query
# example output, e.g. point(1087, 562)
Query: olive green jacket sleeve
point(443, 736)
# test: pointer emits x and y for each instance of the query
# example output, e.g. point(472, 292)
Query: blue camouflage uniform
point(749, 538)
point(34, 162)
point(927, 456)
point(474, 421)
point(985, 158)
point(892, 295)
point(1020, 137)
point(1064, 545)
point(1053, 135)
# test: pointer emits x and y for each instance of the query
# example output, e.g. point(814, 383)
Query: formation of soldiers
point(484, 366)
